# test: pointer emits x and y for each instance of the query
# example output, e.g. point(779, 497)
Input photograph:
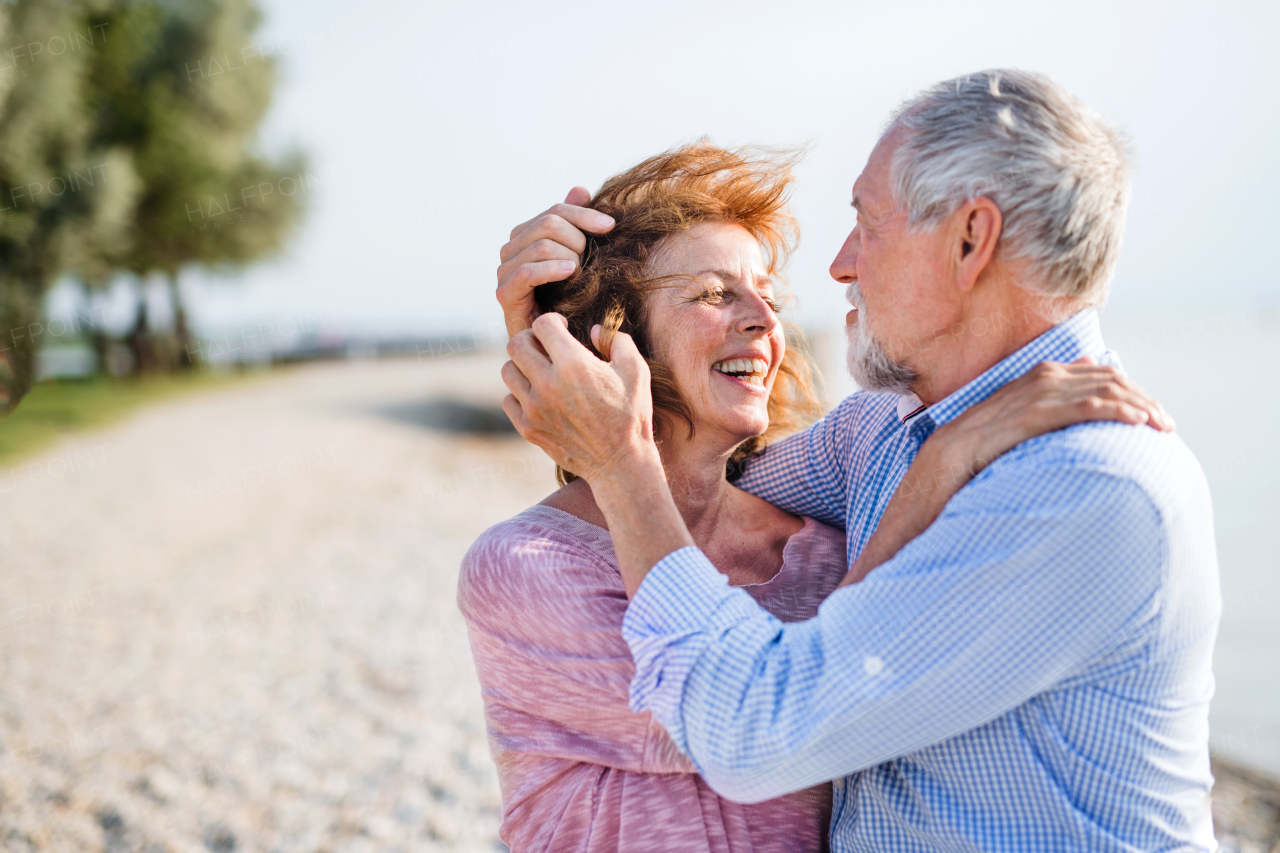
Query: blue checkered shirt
point(1030, 674)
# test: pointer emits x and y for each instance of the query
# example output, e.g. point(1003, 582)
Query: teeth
point(754, 368)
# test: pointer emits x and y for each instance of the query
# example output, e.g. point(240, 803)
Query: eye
point(712, 295)
point(773, 306)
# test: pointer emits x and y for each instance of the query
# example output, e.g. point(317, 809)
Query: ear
point(978, 224)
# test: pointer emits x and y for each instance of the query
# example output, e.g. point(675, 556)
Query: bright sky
point(434, 128)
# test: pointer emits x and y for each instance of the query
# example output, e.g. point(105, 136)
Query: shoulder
point(820, 549)
point(1158, 465)
point(540, 552)
point(1121, 509)
point(859, 415)
point(861, 408)
point(824, 539)
point(1101, 495)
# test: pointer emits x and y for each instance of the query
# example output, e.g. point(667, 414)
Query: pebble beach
point(228, 621)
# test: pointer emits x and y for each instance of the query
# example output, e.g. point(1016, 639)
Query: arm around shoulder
point(1034, 571)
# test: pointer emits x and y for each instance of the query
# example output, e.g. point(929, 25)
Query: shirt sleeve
point(1032, 571)
point(808, 473)
point(544, 619)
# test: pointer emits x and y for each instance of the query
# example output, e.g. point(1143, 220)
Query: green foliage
point(162, 88)
point(125, 136)
point(55, 210)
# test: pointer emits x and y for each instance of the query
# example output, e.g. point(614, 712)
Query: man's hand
point(546, 248)
point(595, 418)
point(589, 415)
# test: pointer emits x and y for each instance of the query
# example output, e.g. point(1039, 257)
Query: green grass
point(57, 407)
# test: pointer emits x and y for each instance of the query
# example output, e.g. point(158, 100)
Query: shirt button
point(872, 665)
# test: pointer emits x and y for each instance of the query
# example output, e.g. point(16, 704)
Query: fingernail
point(567, 266)
point(603, 221)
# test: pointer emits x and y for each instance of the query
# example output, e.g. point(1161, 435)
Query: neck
point(987, 328)
point(695, 472)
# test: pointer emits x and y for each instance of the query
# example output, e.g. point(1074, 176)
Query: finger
point(539, 252)
point(527, 354)
point(516, 292)
point(581, 218)
point(517, 383)
point(1130, 392)
point(519, 285)
point(578, 196)
point(1121, 388)
point(1160, 419)
point(1087, 367)
point(548, 226)
point(1097, 409)
point(627, 360)
point(515, 412)
point(552, 331)
point(600, 341)
point(1090, 399)
point(545, 249)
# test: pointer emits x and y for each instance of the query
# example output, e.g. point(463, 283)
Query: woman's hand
point(1051, 396)
point(546, 248)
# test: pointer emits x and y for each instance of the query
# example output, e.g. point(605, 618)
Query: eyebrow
point(726, 275)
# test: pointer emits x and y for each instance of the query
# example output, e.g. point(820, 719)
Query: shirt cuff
point(681, 605)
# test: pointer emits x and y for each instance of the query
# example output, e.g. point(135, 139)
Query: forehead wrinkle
point(721, 260)
point(760, 281)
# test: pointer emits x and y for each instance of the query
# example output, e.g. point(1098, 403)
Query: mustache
point(853, 293)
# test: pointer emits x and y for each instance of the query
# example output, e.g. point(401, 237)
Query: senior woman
point(688, 272)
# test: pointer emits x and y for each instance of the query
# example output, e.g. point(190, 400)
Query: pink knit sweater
point(580, 772)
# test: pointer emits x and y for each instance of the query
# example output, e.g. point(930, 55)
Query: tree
point(184, 87)
point(146, 125)
point(63, 199)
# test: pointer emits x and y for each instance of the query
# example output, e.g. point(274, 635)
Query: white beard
point(871, 367)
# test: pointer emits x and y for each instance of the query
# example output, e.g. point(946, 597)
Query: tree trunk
point(188, 349)
point(139, 340)
point(20, 327)
point(98, 338)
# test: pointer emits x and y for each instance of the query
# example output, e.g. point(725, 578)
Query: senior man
point(1030, 673)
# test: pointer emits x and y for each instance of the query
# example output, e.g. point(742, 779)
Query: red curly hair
point(669, 194)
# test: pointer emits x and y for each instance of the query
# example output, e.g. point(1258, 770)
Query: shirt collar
point(1078, 336)
point(909, 405)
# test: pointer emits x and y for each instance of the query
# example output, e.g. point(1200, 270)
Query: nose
point(844, 268)
point(757, 316)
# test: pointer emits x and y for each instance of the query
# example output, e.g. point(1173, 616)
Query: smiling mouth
point(749, 370)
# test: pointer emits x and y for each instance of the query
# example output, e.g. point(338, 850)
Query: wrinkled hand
point(546, 248)
point(593, 417)
point(1049, 397)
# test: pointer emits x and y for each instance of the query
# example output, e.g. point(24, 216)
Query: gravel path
point(228, 623)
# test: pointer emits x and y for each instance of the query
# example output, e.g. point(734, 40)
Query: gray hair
point(1058, 172)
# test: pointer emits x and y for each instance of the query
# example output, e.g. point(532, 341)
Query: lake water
point(1218, 374)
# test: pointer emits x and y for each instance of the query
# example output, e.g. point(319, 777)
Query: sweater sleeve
point(544, 616)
